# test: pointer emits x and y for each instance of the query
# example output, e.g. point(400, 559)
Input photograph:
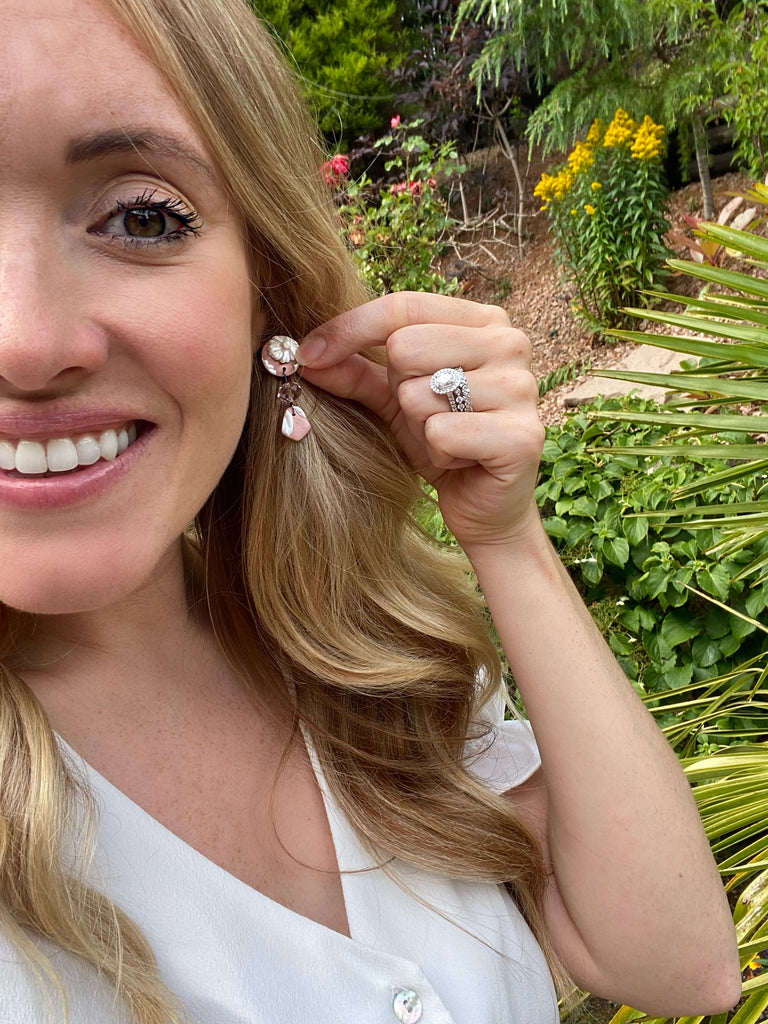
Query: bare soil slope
point(493, 267)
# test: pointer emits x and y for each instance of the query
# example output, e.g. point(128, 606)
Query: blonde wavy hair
point(312, 565)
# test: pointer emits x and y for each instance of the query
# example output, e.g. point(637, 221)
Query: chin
point(75, 586)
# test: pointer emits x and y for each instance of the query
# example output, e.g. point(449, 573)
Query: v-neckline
point(339, 827)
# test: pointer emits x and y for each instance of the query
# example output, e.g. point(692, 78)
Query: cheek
point(196, 340)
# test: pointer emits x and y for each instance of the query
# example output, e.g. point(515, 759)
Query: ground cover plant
point(650, 580)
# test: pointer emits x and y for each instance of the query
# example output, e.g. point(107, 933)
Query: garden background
point(599, 169)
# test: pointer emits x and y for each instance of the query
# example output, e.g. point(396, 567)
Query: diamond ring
point(452, 381)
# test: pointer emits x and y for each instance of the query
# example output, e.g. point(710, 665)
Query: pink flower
point(336, 169)
point(398, 188)
point(395, 122)
point(432, 182)
point(416, 188)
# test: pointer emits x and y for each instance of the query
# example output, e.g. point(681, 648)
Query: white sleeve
point(506, 755)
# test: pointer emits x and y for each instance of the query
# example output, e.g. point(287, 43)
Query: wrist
point(526, 538)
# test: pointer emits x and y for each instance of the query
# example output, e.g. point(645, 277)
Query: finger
point(416, 351)
point(359, 380)
point(373, 323)
point(491, 390)
point(487, 439)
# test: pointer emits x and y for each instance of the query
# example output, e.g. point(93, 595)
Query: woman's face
point(125, 310)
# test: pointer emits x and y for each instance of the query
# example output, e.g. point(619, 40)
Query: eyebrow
point(143, 141)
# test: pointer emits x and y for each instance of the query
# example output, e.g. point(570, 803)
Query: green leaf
point(584, 506)
point(556, 527)
point(715, 580)
point(656, 581)
point(679, 676)
point(705, 651)
point(577, 531)
point(734, 388)
point(591, 570)
point(616, 550)
point(657, 647)
point(551, 451)
point(635, 528)
point(679, 626)
point(621, 644)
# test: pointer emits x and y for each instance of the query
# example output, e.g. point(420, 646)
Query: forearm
point(636, 882)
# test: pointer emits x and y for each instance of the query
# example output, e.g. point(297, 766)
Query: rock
point(642, 358)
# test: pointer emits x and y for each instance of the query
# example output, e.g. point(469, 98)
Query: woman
point(303, 806)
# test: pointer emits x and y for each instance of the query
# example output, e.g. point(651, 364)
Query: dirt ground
point(494, 267)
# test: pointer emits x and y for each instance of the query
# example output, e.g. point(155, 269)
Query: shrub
point(343, 51)
point(397, 228)
point(606, 209)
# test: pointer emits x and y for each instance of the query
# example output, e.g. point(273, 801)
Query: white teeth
point(30, 458)
point(7, 455)
point(108, 445)
point(88, 450)
point(63, 454)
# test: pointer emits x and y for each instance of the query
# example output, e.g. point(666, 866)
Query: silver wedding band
point(452, 381)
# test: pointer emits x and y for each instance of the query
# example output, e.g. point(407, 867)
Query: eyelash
point(188, 219)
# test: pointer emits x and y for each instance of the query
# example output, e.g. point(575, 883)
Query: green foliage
point(606, 210)
point(343, 51)
point(726, 327)
point(682, 61)
point(545, 34)
point(649, 580)
point(398, 229)
point(746, 84)
point(563, 374)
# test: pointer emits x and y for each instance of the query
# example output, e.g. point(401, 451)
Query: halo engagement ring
point(452, 381)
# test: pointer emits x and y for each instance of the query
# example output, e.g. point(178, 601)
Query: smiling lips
point(64, 454)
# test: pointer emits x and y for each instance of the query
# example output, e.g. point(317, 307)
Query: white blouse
point(428, 950)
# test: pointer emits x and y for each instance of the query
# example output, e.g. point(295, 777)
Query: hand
point(483, 464)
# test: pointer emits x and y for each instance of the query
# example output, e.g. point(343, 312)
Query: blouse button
point(407, 1006)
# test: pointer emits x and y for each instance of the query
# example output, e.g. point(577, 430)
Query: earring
point(278, 356)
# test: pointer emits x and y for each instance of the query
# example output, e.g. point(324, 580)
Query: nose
point(47, 340)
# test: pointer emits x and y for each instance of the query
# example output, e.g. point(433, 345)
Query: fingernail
point(311, 350)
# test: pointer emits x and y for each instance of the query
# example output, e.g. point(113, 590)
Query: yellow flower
point(596, 186)
point(574, 211)
point(545, 189)
point(553, 188)
point(620, 131)
point(563, 183)
point(590, 209)
point(596, 132)
point(649, 141)
point(581, 158)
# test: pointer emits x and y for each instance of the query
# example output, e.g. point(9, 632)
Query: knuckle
point(528, 388)
point(404, 307)
point(519, 344)
point(497, 316)
point(398, 347)
point(408, 393)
